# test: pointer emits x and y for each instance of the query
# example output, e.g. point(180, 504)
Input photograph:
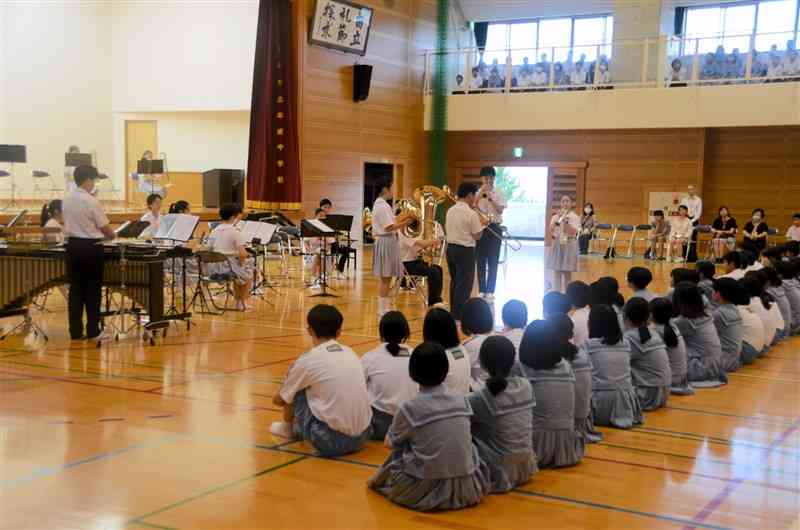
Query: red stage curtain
point(273, 168)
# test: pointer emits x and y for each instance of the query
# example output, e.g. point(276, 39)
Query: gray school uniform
point(649, 369)
point(730, 329)
point(555, 440)
point(620, 317)
point(707, 289)
point(433, 464)
point(502, 430)
point(645, 294)
point(778, 293)
point(677, 364)
point(703, 351)
point(584, 420)
point(614, 400)
point(792, 290)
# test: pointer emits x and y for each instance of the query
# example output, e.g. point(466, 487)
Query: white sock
point(381, 306)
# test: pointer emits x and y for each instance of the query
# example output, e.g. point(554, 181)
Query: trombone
point(503, 235)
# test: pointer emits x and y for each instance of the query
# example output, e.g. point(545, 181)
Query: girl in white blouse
point(386, 252)
point(680, 232)
point(563, 257)
point(153, 216)
point(53, 218)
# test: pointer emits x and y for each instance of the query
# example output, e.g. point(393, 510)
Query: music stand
point(132, 229)
point(13, 154)
point(150, 168)
point(315, 228)
point(77, 159)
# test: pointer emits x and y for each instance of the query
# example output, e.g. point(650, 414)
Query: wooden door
point(140, 136)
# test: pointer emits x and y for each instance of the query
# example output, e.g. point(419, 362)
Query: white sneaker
point(489, 297)
point(482, 295)
point(282, 430)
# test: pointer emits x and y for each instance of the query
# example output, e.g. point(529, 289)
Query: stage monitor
point(341, 25)
point(77, 159)
point(13, 154)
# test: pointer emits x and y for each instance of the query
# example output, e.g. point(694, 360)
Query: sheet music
point(122, 227)
point(258, 230)
point(322, 227)
point(177, 226)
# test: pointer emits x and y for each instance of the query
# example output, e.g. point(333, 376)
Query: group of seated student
point(775, 65)
point(467, 418)
point(568, 74)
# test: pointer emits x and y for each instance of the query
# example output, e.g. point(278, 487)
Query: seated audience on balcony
point(577, 77)
point(526, 69)
point(791, 63)
point(709, 70)
point(775, 67)
point(560, 78)
point(477, 82)
point(676, 73)
point(732, 67)
point(540, 77)
point(543, 62)
point(495, 80)
point(757, 66)
point(460, 85)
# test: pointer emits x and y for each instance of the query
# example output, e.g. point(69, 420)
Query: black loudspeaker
point(18, 154)
point(223, 186)
point(362, 76)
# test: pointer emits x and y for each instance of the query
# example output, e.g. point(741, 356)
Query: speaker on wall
point(362, 76)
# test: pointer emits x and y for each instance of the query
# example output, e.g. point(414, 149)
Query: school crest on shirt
point(334, 347)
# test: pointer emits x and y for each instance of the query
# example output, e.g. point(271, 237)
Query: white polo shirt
point(494, 206)
point(515, 336)
point(388, 382)
point(226, 239)
point(460, 225)
point(83, 215)
point(333, 379)
point(752, 327)
point(155, 222)
point(695, 206)
point(580, 325)
point(458, 375)
point(408, 251)
point(54, 237)
point(382, 216)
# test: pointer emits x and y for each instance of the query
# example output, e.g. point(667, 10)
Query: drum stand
point(260, 289)
point(322, 279)
point(13, 202)
point(27, 325)
point(121, 328)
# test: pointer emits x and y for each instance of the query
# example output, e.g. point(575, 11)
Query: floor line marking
point(766, 419)
point(215, 490)
point(712, 439)
point(714, 504)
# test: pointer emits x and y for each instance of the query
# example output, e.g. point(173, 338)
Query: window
point(532, 39)
point(772, 22)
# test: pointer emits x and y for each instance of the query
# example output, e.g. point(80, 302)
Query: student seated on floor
point(555, 303)
point(706, 271)
point(777, 291)
point(760, 305)
point(515, 318)
point(582, 368)
point(477, 323)
point(661, 314)
point(753, 334)
point(578, 293)
point(386, 372)
point(703, 349)
point(774, 312)
point(649, 359)
point(732, 262)
point(614, 399)
point(433, 464)
point(639, 279)
point(791, 287)
point(440, 327)
point(502, 421)
point(604, 292)
point(555, 440)
point(324, 395)
point(728, 321)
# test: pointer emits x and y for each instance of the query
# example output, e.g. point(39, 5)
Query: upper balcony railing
point(648, 63)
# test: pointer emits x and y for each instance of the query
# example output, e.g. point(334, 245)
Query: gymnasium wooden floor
point(176, 436)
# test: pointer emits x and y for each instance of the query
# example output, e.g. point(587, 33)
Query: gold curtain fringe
point(262, 205)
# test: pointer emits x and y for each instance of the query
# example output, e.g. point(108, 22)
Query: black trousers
point(461, 264)
point(85, 273)
point(343, 253)
point(583, 243)
point(692, 257)
point(488, 255)
point(434, 275)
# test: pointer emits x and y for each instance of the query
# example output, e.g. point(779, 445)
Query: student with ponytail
point(661, 315)
point(180, 207)
point(386, 372)
point(649, 359)
point(774, 315)
point(502, 420)
point(555, 440)
point(53, 217)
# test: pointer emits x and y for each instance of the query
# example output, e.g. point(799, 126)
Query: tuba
point(422, 210)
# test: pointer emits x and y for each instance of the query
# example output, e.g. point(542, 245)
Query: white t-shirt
point(54, 238)
point(752, 327)
point(382, 216)
point(680, 227)
point(388, 382)
point(736, 274)
point(226, 239)
point(333, 379)
point(152, 229)
point(793, 233)
point(580, 321)
point(83, 215)
point(515, 336)
point(408, 251)
point(763, 314)
point(458, 376)
point(493, 207)
point(775, 316)
point(461, 224)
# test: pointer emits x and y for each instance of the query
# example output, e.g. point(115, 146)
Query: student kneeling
point(324, 396)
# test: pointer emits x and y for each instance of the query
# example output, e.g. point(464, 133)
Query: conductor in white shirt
point(85, 226)
point(695, 206)
point(491, 203)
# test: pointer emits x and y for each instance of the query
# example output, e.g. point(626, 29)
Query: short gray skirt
point(386, 257)
point(563, 256)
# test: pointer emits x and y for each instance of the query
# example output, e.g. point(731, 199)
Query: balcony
point(663, 82)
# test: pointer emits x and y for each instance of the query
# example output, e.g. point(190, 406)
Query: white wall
point(723, 106)
point(56, 84)
point(193, 141)
point(172, 56)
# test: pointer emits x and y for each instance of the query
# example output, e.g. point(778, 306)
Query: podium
point(223, 186)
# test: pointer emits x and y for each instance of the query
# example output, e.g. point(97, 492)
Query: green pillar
point(438, 126)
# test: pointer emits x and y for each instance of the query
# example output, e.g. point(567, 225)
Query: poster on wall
point(341, 25)
point(667, 201)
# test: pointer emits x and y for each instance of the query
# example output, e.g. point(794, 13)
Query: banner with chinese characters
point(341, 25)
point(273, 169)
